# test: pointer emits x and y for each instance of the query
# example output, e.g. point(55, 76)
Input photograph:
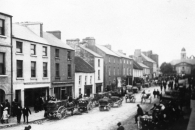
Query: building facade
point(31, 64)
point(5, 57)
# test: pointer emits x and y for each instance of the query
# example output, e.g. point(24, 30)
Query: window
point(90, 79)
point(98, 62)
point(33, 69)
point(33, 49)
point(57, 53)
point(98, 74)
point(19, 68)
point(2, 27)
point(2, 63)
point(18, 47)
point(44, 51)
point(69, 71)
point(85, 80)
point(80, 79)
point(57, 70)
point(69, 55)
point(44, 69)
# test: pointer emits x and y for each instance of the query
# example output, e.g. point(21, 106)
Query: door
point(2, 96)
point(18, 96)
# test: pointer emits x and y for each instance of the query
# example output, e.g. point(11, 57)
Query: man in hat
point(120, 127)
point(26, 112)
point(139, 113)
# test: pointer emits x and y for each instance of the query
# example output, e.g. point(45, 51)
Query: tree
point(166, 68)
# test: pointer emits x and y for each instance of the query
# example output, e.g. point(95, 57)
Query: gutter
point(11, 63)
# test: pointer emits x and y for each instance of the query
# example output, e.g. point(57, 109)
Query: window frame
point(34, 49)
point(45, 70)
point(44, 51)
point(57, 53)
point(57, 70)
point(98, 74)
point(69, 55)
point(98, 62)
point(2, 32)
point(69, 71)
point(34, 69)
point(17, 42)
point(3, 64)
point(19, 70)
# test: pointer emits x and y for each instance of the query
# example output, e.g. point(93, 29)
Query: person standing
point(164, 84)
point(120, 127)
point(18, 113)
point(157, 93)
point(1, 109)
point(26, 112)
point(139, 113)
point(154, 93)
point(7, 104)
point(14, 108)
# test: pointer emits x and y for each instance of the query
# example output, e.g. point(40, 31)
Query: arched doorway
point(2, 96)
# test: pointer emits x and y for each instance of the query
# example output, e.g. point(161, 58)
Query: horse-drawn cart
point(130, 96)
point(105, 104)
point(116, 101)
point(85, 104)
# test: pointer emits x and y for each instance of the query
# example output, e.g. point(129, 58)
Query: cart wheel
point(61, 112)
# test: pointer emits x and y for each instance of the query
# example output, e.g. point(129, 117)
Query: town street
point(94, 120)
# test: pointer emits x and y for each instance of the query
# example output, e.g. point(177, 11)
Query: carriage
point(85, 104)
point(105, 104)
point(99, 96)
point(116, 101)
point(58, 109)
point(130, 96)
point(145, 97)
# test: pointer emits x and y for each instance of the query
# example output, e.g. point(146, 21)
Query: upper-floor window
point(33, 49)
point(127, 71)
point(98, 62)
point(80, 79)
point(44, 51)
point(123, 71)
point(98, 74)
point(33, 69)
point(57, 51)
point(90, 79)
point(2, 27)
point(57, 70)
point(2, 63)
point(85, 80)
point(18, 47)
point(69, 55)
point(44, 69)
point(19, 68)
point(69, 71)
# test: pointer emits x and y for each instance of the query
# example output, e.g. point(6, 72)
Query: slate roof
point(147, 58)
point(189, 61)
point(106, 50)
point(136, 65)
point(90, 51)
point(82, 66)
point(122, 55)
point(142, 65)
point(25, 33)
point(54, 41)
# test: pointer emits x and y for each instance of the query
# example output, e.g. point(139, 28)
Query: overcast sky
point(163, 26)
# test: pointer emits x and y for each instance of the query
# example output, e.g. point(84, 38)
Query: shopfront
point(63, 92)
point(88, 89)
point(98, 87)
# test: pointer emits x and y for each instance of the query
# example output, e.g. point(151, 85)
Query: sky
point(163, 26)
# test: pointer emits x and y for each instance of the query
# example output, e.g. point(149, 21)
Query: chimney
point(137, 53)
point(89, 42)
point(74, 43)
point(55, 33)
point(36, 27)
point(108, 46)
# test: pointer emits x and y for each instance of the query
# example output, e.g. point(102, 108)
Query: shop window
point(33, 69)
point(2, 27)
point(57, 70)
point(44, 69)
point(33, 49)
point(2, 63)
point(18, 47)
point(44, 51)
point(69, 71)
point(19, 68)
point(57, 51)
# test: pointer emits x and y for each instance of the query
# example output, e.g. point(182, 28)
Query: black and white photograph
point(97, 64)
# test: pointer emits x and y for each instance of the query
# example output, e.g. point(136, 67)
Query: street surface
point(94, 120)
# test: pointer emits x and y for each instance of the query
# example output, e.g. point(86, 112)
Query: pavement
point(191, 123)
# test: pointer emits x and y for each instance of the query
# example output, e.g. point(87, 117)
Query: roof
point(82, 66)
point(106, 50)
point(147, 58)
point(25, 33)
point(142, 65)
point(122, 55)
point(136, 65)
point(189, 61)
point(5, 14)
point(90, 51)
point(54, 41)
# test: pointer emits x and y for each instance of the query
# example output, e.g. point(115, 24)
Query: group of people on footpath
point(17, 111)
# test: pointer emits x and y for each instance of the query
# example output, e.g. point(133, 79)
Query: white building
point(31, 63)
point(84, 78)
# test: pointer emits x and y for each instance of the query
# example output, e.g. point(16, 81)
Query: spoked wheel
point(61, 113)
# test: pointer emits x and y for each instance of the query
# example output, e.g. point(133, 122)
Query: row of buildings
point(35, 63)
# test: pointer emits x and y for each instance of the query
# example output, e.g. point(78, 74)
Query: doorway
point(2, 96)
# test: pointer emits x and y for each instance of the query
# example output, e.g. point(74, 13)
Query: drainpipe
point(11, 64)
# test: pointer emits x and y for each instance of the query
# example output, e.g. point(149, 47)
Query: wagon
point(58, 109)
point(105, 104)
point(99, 96)
point(85, 104)
point(116, 101)
point(130, 96)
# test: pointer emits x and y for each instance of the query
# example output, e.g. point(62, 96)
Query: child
point(5, 115)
